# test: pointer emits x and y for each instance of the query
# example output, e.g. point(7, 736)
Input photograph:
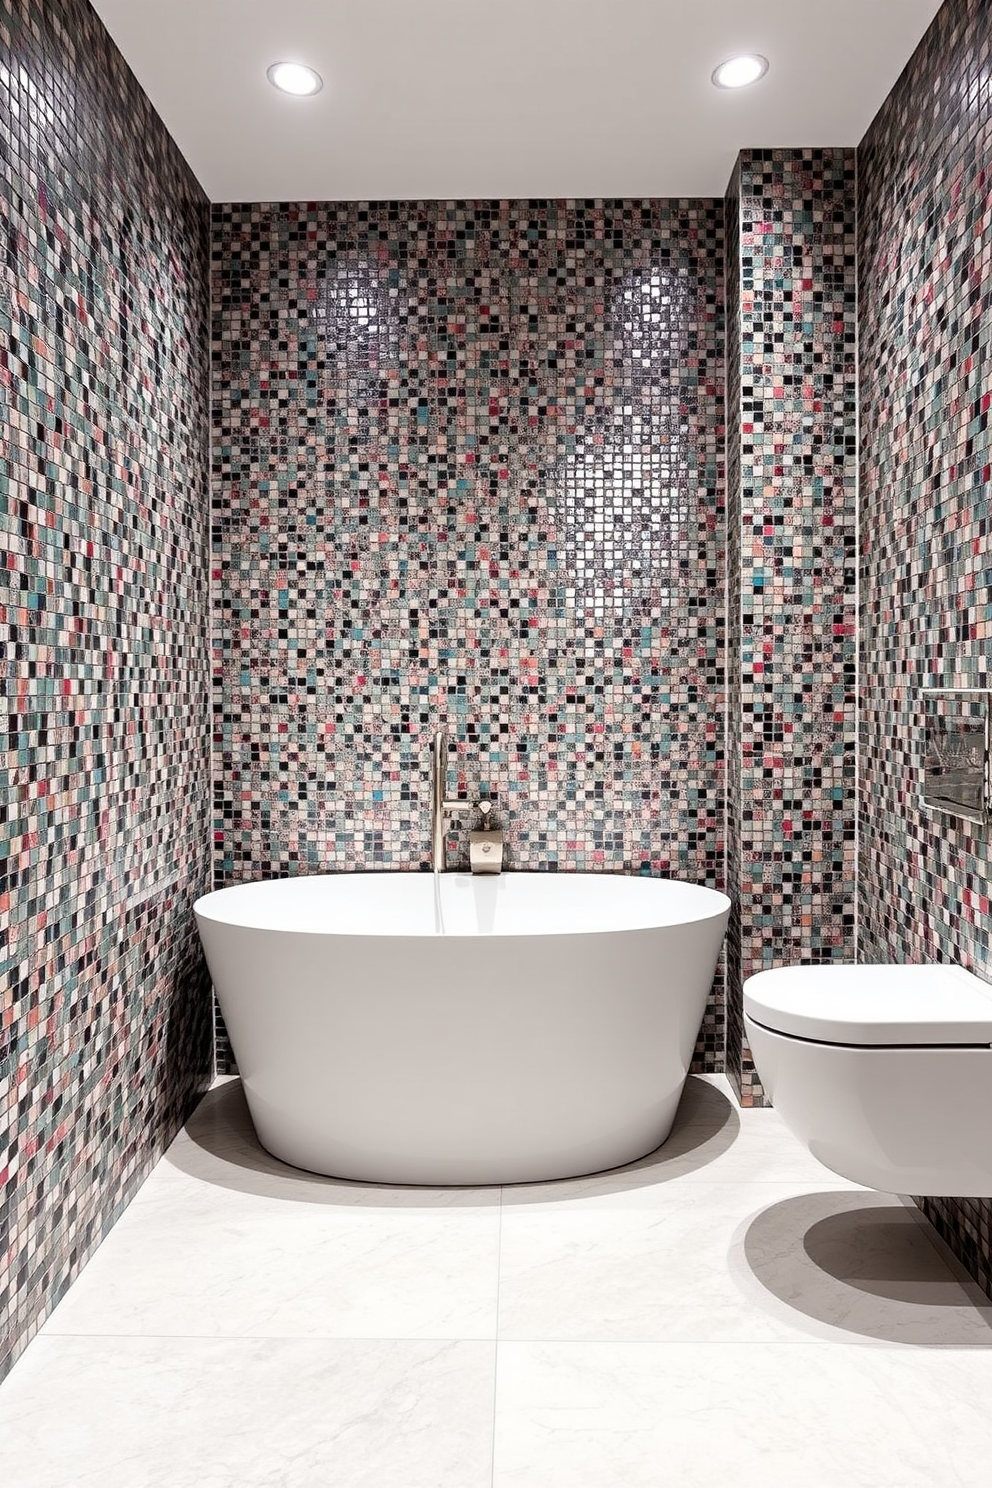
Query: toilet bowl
point(884, 1073)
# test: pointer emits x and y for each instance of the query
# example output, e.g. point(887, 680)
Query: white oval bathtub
point(402, 1028)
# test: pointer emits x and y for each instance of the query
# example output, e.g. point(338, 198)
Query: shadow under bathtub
point(218, 1145)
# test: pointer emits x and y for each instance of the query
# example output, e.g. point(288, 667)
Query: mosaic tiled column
point(791, 578)
point(925, 261)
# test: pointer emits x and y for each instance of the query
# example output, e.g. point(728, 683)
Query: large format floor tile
point(643, 1415)
point(860, 1267)
point(713, 1262)
point(723, 1310)
point(273, 1413)
point(199, 1260)
point(648, 1264)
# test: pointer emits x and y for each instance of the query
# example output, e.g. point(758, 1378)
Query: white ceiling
point(504, 98)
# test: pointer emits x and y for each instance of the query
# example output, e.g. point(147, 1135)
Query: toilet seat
point(888, 1005)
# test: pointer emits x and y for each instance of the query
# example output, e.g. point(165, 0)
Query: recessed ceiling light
point(293, 77)
point(738, 72)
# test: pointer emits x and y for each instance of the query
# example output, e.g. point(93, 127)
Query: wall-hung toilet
point(883, 1072)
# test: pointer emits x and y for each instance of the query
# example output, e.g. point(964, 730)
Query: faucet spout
point(439, 770)
point(441, 808)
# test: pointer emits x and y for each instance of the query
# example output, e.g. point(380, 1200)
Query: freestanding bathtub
point(413, 1028)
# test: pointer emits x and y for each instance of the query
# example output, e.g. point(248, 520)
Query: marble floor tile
point(757, 1149)
point(194, 1259)
point(723, 1310)
point(729, 1262)
point(638, 1264)
point(212, 1413)
point(218, 1141)
point(801, 1415)
point(857, 1266)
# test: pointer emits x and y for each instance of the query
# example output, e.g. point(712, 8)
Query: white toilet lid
point(840, 1004)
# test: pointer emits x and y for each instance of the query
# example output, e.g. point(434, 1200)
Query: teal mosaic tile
point(468, 468)
point(925, 251)
point(105, 1031)
point(792, 623)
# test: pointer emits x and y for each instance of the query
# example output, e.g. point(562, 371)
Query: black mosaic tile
point(792, 622)
point(468, 467)
point(925, 251)
point(104, 784)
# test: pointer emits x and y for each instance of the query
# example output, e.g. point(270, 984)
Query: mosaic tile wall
point(792, 425)
point(105, 1033)
point(468, 467)
point(925, 248)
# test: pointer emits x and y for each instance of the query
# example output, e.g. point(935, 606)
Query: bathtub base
point(504, 1155)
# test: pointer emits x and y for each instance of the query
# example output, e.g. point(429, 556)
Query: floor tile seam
point(761, 1187)
point(314, 1214)
point(888, 1346)
point(482, 1338)
point(875, 1345)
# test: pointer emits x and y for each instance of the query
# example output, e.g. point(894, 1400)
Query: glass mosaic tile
point(105, 1020)
point(792, 533)
point(925, 251)
point(468, 469)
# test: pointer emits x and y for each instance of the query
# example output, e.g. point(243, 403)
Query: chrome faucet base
point(485, 852)
point(486, 846)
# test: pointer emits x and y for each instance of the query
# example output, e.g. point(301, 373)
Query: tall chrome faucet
point(441, 808)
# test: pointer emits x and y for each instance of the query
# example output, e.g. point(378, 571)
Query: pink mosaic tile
point(105, 1031)
point(792, 442)
point(925, 249)
point(468, 468)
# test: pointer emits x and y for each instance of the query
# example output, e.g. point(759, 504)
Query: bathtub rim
point(716, 902)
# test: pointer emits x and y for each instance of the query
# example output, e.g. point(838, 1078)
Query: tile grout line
point(851, 1341)
point(53, 1337)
